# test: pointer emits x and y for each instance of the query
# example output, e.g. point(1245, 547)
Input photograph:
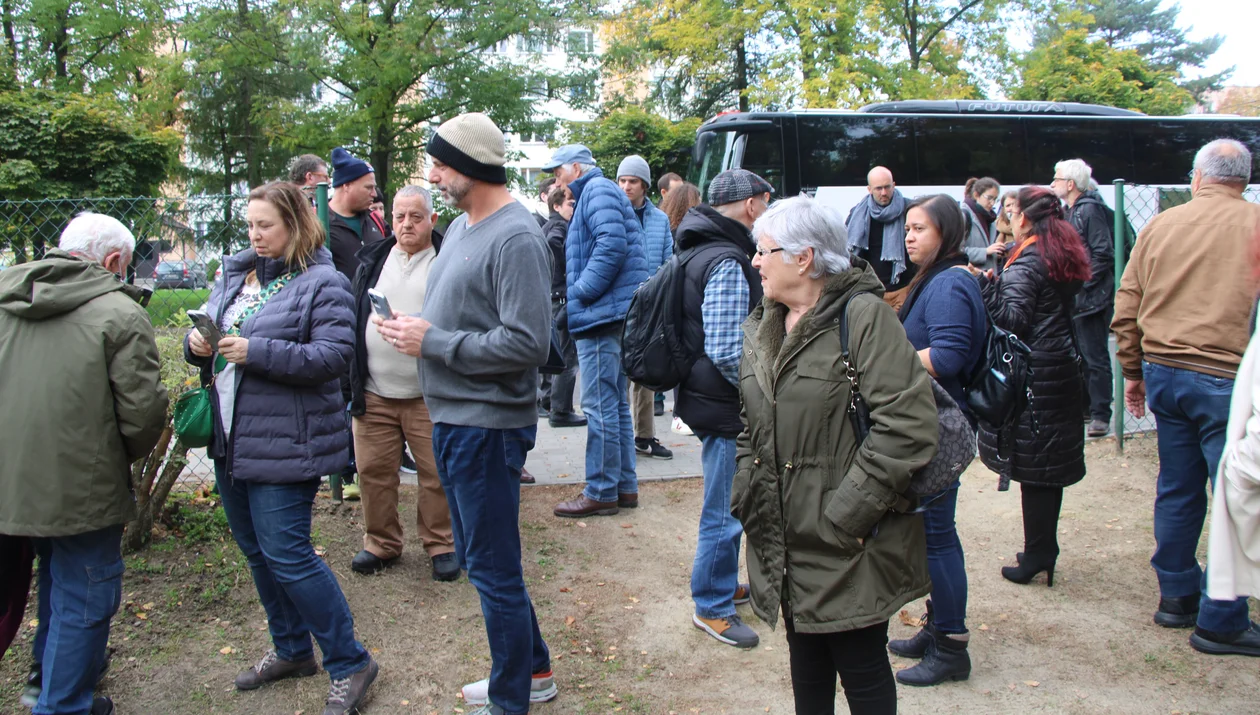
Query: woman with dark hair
point(287, 318)
point(945, 321)
point(678, 201)
point(982, 243)
point(1032, 298)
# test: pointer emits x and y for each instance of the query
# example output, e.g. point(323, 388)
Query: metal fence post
point(321, 209)
point(1119, 238)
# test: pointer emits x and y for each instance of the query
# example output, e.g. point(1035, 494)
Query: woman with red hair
point(1032, 298)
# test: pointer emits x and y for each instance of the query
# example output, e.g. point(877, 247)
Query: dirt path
point(613, 599)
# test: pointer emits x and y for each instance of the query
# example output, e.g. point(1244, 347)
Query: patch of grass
point(167, 305)
point(196, 523)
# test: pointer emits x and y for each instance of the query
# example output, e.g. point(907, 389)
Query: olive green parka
point(826, 538)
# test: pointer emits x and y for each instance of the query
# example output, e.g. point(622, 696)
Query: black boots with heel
point(944, 656)
point(1029, 566)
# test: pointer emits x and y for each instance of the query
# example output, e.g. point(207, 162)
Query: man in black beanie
point(350, 223)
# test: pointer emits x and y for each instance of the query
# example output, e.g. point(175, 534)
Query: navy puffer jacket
point(289, 423)
point(604, 254)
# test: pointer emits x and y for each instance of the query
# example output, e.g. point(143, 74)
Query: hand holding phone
point(380, 304)
point(205, 325)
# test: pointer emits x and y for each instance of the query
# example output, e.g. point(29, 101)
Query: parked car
point(180, 274)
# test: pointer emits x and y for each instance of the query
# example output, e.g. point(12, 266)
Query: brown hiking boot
point(345, 695)
point(271, 668)
point(628, 501)
point(582, 506)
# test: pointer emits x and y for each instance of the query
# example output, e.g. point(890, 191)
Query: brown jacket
point(1187, 292)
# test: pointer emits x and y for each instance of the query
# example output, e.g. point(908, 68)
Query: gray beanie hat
point(636, 166)
point(472, 145)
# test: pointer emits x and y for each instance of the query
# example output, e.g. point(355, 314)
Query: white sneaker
point(541, 689)
point(681, 427)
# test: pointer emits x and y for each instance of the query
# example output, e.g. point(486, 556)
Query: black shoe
point(652, 448)
point(102, 706)
point(946, 659)
point(445, 567)
point(1241, 643)
point(1028, 569)
point(1178, 612)
point(658, 409)
point(915, 646)
point(366, 562)
point(543, 411)
point(566, 419)
point(408, 464)
point(1097, 428)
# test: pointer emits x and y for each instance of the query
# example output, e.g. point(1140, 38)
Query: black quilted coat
point(1049, 443)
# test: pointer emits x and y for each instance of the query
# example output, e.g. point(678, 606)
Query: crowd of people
point(817, 392)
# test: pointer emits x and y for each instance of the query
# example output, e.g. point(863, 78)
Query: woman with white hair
point(831, 539)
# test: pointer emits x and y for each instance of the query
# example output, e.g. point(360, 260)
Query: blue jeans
point(272, 525)
point(480, 469)
point(1191, 412)
point(945, 562)
point(609, 429)
point(80, 587)
point(715, 572)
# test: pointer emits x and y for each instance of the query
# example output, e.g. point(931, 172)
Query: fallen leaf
point(1031, 683)
point(909, 620)
point(633, 599)
point(142, 616)
point(627, 526)
point(404, 702)
point(581, 524)
point(569, 620)
point(148, 606)
point(227, 650)
point(984, 626)
point(565, 589)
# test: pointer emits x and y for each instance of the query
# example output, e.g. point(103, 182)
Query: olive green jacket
point(82, 395)
point(823, 538)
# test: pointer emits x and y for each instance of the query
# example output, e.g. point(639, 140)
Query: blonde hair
point(306, 234)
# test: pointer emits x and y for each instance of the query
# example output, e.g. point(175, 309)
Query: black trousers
point(859, 657)
point(1092, 332)
point(559, 392)
point(1041, 519)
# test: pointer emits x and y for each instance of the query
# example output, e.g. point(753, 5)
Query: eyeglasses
point(1058, 178)
point(989, 198)
point(763, 252)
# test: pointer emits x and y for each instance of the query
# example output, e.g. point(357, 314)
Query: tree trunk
point(10, 39)
point(152, 490)
point(60, 44)
point(382, 148)
point(741, 73)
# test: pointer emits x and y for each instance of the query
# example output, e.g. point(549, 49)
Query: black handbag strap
point(1067, 315)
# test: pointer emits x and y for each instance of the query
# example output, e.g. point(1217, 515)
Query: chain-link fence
point(180, 243)
point(1136, 205)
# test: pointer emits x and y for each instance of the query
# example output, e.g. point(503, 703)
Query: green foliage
point(168, 308)
point(60, 145)
point(1074, 68)
point(664, 144)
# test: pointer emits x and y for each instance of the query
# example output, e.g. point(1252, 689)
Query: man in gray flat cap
point(720, 289)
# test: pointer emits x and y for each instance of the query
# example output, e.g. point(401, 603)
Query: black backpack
point(654, 353)
point(1130, 235)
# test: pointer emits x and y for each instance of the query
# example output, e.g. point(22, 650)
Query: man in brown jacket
point(1181, 329)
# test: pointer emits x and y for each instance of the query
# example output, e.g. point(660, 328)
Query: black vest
point(707, 402)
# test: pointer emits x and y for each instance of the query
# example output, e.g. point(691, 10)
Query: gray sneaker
point(489, 709)
point(345, 695)
point(271, 668)
point(729, 630)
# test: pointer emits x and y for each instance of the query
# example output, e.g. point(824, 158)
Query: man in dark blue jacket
point(605, 263)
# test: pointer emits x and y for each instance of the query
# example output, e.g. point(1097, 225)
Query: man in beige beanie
point(483, 332)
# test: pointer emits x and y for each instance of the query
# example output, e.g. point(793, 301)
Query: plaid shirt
point(723, 312)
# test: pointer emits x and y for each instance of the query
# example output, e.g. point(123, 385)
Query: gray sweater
point(488, 298)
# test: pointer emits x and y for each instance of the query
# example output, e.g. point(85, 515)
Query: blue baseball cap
point(569, 154)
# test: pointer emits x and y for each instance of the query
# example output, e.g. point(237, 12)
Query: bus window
point(1104, 144)
point(1166, 149)
point(950, 149)
point(840, 150)
point(762, 154)
point(717, 150)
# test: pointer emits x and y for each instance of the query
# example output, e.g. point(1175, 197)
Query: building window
point(532, 177)
point(531, 43)
point(500, 47)
point(581, 42)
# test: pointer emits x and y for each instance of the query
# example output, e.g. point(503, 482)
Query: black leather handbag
point(1001, 387)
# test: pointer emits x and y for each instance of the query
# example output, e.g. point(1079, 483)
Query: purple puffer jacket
point(289, 423)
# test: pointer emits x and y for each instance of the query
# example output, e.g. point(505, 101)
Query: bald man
point(877, 234)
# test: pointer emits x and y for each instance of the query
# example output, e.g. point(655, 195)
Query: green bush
point(167, 306)
point(211, 266)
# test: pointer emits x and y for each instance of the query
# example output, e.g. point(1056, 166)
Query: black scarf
point(958, 259)
point(986, 218)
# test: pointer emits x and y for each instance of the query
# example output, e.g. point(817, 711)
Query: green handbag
point(194, 418)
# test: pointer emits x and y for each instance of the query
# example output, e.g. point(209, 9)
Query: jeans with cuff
point(715, 571)
point(946, 564)
point(610, 457)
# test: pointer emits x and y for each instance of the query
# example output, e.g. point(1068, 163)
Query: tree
point(664, 144)
point(396, 68)
point(1243, 101)
point(1141, 26)
point(1074, 68)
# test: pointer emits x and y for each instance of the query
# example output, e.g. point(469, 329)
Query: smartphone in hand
point(205, 325)
point(380, 304)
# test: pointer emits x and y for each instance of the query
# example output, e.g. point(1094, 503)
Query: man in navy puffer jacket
point(605, 263)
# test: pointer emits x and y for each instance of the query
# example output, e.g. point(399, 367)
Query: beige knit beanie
point(472, 145)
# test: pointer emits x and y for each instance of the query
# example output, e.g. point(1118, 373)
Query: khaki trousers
point(641, 405)
point(378, 443)
point(897, 297)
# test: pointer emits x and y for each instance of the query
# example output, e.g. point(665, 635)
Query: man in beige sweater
point(387, 401)
point(1181, 329)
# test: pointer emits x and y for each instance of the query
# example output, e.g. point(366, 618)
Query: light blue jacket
point(658, 239)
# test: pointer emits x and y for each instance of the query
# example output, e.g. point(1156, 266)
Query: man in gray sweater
point(484, 331)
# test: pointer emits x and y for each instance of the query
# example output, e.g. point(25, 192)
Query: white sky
point(1238, 21)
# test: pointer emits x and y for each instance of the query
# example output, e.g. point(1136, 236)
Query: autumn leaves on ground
point(612, 595)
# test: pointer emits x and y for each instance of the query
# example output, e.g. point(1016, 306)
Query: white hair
point(583, 168)
point(1078, 172)
point(1224, 161)
point(412, 190)
point(95, 236)
point(800, 223)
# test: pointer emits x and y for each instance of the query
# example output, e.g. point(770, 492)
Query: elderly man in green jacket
point(83, 398)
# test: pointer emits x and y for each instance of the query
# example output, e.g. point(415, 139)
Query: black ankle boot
point(946, 659)
point(1029, 566)
point(915, 646)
